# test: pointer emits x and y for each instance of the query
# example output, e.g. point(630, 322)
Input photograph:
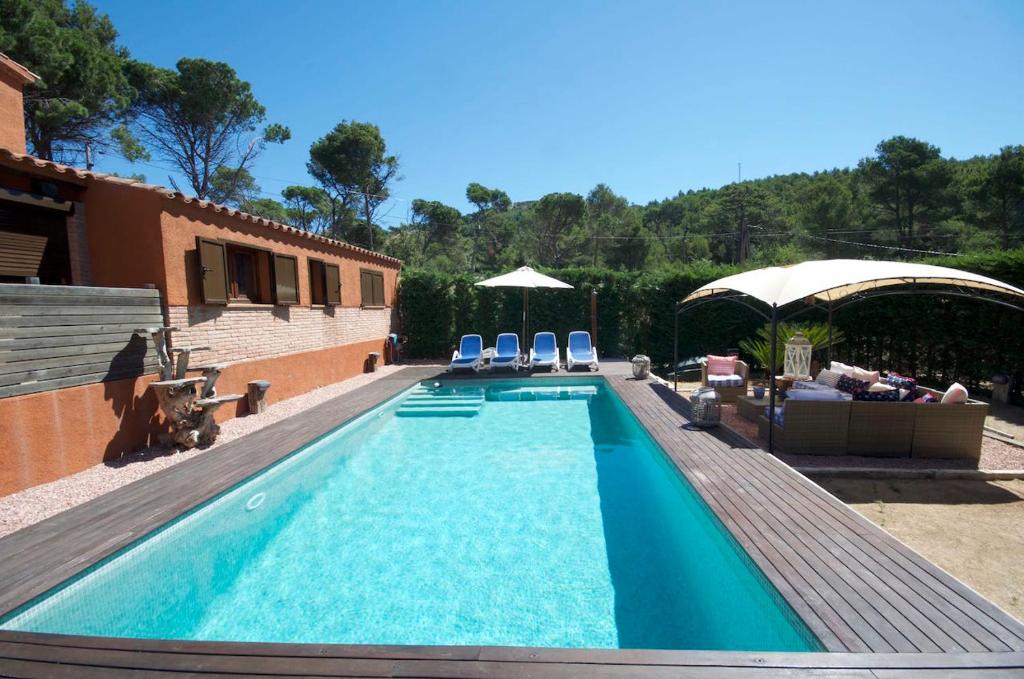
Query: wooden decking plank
point(724, 455)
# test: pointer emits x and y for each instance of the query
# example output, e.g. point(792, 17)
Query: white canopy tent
point(835, 283)
point(524, 277)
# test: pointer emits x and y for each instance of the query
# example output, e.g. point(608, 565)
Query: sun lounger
point(469, 354)
point(506, 352)
point(544, 352)
point(580, 351)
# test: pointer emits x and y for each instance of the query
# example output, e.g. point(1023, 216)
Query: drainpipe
point(771, 379)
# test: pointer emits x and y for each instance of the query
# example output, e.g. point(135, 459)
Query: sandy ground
point(39, 502)
point(972, 529)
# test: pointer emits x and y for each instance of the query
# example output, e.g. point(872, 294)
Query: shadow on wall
point(138, 414)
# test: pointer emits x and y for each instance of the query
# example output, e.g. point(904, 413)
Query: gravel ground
point(39, 502)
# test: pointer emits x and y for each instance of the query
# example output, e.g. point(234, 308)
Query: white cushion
point(957, 393)
point(865, 375)
point(825, 394)
point(841, 368)
point(879, 387)
point(830, 378)
point(725, 381)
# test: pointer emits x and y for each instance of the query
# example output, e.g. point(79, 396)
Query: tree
point(309, 208)
point(491, 228)
point(825, 207)
point(486, 199)
point(439, 223)
point(266, 207)
point(201, 117)
point(351, 163)
point(605, 213)
point(908, 180)
point(1000, 194)
point(83, 92)
point(559, 215)
point(232, 187)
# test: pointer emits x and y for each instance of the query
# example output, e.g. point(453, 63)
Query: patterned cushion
point(828, 377)
point(721, 365)
point(851, 386)
point(725, 381)
point(865, 395)
point(927, 398)
point(779, 414)
point(903, 382)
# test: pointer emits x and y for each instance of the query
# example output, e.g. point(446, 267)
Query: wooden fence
point(56, 336)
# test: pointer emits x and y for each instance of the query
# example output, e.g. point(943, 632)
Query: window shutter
point(378, 289)
point(213, 271)
point(332, 275)
point(365, 288)
point(21, 253)
point(286, 279)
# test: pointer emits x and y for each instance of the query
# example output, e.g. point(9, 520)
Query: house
point(265, 299)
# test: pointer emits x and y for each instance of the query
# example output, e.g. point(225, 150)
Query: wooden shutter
point(365, 288)
point(332, 277)
point(286, 279)
point(21, 253)
point(378, 289)
point(213, 271)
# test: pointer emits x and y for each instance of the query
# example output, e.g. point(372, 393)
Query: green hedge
point(938, 339)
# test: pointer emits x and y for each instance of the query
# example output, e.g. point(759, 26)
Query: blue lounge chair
point(544, 352)
point(469, 355)
point(579, 351)
point(506, 352)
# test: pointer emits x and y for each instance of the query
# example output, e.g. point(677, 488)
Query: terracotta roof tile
point(78, 173)
point(11, 65)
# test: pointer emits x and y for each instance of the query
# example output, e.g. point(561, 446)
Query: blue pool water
point(497, 513)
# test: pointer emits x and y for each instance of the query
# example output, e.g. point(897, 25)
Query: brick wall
point(241, 333)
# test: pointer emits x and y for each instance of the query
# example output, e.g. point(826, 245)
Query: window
point(371, 287)
point(233, 273)
point(242, 281)
point(324, 283)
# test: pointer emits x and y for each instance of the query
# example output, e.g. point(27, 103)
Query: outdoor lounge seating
point(506, 352)
point(544, 352)
point(729, 384)
point(879, 428)
point(469, 355)
point(580, 352)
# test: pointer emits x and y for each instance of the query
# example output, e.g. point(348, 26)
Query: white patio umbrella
point(524, 277)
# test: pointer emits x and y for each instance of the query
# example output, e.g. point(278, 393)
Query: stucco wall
point(12, 114)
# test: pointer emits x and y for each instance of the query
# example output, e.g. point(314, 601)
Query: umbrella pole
point(771, 379)
point(526, 305)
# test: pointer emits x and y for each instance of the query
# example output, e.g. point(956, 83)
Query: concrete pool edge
point(42, 550)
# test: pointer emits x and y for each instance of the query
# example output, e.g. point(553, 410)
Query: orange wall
point(123, 228)
point(56, 433)
point(183, 222)
point(12, 113)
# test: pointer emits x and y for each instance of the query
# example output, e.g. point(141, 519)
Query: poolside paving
point(881, 609)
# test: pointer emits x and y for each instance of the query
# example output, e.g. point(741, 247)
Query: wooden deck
point(880, 608)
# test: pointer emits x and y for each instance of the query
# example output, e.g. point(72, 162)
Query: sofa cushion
point(879, 387)
point(867, 395)
point(927, 398)
point(725, 381)
point(850, 385)
point(957, 393)
point(721, 365)
point(904, 383)
point(841, 368)
point(869, 376)
point(828, 377)
point(823, 394)
point(779, 414)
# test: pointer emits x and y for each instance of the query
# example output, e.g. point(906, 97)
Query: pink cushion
point(865, 375)
point(721, 365)
point(956, 393)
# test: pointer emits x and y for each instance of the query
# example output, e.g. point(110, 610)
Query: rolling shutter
point(332, 276)
point(213, 271)
point(286, 279)
point(21, 253)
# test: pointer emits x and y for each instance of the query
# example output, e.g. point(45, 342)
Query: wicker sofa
point(881, 429)
point(729, 394)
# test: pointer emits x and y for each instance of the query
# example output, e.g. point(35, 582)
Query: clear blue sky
point(648, 97)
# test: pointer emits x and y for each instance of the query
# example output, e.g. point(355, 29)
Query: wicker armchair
point(729, 394)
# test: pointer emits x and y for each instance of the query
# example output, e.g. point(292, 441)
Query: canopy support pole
point(771, 379)
point(675, 351)
point(830, 334)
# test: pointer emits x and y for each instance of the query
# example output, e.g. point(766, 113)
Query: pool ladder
point(424, 401)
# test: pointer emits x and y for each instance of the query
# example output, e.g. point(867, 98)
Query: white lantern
point(798, 358)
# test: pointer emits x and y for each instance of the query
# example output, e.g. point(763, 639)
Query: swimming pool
point(511, 512)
